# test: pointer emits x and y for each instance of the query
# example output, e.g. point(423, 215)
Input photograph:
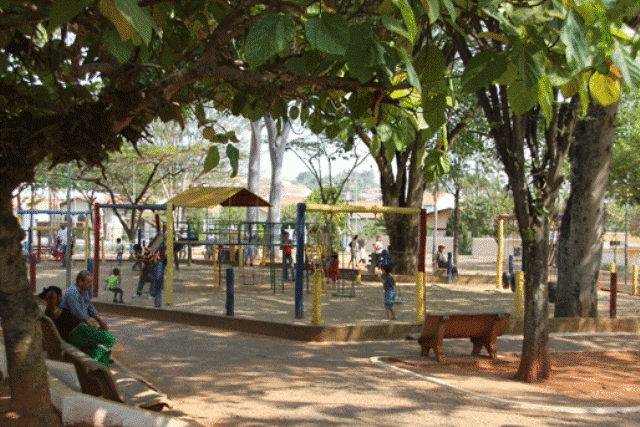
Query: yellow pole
point(519, 309)
point(87, 249)
point(500, 253)
point(241, 256)
point(419, 297)
point(612, 267)
point(316, 317)
point(634, 290)
point(169, 242)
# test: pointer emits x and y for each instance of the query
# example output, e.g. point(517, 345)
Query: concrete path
point(226, 378)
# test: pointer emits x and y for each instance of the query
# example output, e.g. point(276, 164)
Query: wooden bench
point(97, 380)
point(481, 328)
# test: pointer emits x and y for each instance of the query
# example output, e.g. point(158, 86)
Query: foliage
point(624, 176)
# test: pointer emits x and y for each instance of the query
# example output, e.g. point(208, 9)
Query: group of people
point(77, 320)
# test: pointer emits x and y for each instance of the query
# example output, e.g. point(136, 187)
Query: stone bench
point(482, 328)
point(97, 380)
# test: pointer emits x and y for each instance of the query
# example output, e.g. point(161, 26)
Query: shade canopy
point(204, 197)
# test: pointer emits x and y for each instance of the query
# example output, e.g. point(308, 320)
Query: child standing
point(113, 283)
point(334, 268)
point(119, 251)
point(389, 285)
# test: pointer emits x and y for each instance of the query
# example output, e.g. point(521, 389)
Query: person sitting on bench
point(443, 261)
point(75, 332)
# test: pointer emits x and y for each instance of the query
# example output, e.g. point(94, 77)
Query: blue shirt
point(78, 303)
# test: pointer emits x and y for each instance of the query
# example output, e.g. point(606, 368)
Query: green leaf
point(390, 148)
point(574, 35)
point(628, 67)
point(361, 55)
point(433, 110)
point(63, 11)
point(212, 160)
point(436, 164)
point(234, 155)
point(375, 145)
point(200, 114)
point(406, 131)
point(384, 132)
point(451, 8)
point(122, 51)
point(521, 100)
point(509, 76)
point(395, 26)
point(605, 90)
point(412, 76)
point(294, 112)
point(329, 34)
point(482, 70)
point(545, 98)
point(269, 35)
point(433, 9)
point(332, 131)
point(239, 101)
point(208, 133)
point(358, 106)
point(139, 18)
point(530, 65)
point(430, 64)
point(408, 17)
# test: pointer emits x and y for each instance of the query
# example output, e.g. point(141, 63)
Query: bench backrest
point(51, 339)
point(94, 378)
point(465, 325)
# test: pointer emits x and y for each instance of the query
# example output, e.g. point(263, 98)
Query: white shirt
point(62, 235)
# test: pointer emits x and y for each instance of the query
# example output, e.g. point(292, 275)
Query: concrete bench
point(97, 380)
point(482, 328)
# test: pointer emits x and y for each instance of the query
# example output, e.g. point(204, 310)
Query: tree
point(320, 152)
point(80, 79)
point(513, 52)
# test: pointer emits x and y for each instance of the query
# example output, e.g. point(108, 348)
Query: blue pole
point(139, 236)
point(449, 268)
point(302, 209)
point(510, 265)
point(230, 299)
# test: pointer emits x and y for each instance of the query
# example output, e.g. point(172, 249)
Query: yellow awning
point(204, 197)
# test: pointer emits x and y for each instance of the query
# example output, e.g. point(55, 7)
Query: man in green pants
point(77, 299)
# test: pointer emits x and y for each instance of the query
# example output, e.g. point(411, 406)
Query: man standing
point(62, 238)
point(77, 299)
point(287, 258)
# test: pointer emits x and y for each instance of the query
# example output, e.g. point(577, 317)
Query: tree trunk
point(404, 189)
point(253, 177)
point(277, 146)
point(582, 228)
point(535, 364)
point(22, 334)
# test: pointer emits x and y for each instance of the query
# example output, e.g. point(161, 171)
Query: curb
point(309, 333)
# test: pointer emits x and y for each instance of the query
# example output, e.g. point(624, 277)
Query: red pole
point(96, 251)
point(423, 240)
point(614, 295)
point(157, 223)
point(39, 244)
point(32, 271)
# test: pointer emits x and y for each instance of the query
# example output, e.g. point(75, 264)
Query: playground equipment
point(300, 253)
point(34, 258)
point(505, 274)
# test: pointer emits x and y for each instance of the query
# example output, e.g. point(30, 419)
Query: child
point(119, 251)
point(334, 267)
point(113, 283)
point(389, 285)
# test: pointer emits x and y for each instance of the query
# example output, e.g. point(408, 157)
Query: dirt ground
point(610, 378)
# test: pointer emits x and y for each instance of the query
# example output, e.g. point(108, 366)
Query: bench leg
point(478, 343)
point(439, 338)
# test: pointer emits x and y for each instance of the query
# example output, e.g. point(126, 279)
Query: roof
point(204, 197)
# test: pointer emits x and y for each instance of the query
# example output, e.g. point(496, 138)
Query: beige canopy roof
point(204, 197)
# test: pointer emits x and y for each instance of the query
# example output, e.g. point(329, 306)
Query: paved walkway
point(225, 378)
